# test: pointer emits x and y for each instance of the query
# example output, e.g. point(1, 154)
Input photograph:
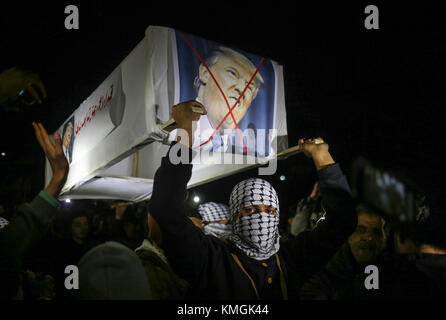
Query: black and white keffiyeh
point(3, 223)
point(211, 212)
point(218, 230)
point(257, 235)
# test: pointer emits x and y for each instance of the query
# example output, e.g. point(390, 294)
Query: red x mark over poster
point(222, 93)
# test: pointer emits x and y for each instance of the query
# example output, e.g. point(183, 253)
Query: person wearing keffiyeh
point(255, 217)
point(251, 263)
point(214, 217)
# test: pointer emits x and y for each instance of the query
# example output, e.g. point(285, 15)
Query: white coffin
point(116, 142)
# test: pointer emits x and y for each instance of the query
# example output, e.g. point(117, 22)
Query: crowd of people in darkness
point(326, 248)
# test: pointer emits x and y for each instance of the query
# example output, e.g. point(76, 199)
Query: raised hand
point(56, 158)
point(185, 117)
point(317, 149)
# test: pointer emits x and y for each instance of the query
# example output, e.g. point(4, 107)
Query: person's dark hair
point(64, 220)
point(362, 208)
point(129, 215)
point(136, 214)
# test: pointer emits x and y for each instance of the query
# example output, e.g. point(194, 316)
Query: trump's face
point(232, 76)
point(67, 135)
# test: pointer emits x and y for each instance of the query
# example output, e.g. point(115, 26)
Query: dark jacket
point(20, 236)
point(207, 263)
point(414, 276)
point(420, 276)
point(342, 278)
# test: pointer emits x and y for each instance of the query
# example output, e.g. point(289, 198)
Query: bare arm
point(56, 157)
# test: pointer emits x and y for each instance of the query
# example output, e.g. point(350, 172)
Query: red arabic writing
point(92, 111)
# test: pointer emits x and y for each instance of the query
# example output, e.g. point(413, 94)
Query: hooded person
point(215, 217)
point(111, 271)
point(250, 264)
